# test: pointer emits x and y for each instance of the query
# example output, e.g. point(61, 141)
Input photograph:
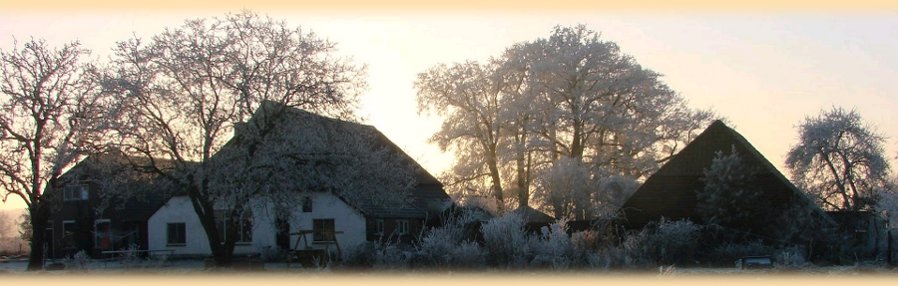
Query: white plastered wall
point(347, 220)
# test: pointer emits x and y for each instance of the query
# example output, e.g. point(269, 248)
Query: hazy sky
point(764, 71)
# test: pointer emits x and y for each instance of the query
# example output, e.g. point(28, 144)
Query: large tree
point(468, 96)
point(571, 95)
point(839, 160)
point(187, 88)
point(52, 114)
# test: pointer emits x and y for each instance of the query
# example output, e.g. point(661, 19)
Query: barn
point(784, 213)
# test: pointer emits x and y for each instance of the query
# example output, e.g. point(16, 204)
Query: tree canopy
point(839, 160)
point(570, 95)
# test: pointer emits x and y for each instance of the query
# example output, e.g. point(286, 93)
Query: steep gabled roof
point(132, 195)
point(671, 192)
point(427, 198)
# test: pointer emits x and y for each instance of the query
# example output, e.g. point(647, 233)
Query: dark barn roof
point(671, 192)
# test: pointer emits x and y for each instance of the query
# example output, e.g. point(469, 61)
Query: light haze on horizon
point(764, 72)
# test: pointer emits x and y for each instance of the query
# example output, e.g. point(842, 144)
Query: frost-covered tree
point(468, 96)
point(52, 114)
point(569, 95)
point(730, 191)
point(187, 87)
point(839, 160)
point(601, 107)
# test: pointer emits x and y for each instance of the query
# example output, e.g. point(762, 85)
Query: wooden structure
point(309, 256)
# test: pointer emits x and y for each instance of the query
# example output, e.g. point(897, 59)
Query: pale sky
point(764, 71)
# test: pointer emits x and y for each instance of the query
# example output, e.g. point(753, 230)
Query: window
point(102, 234)
point(379, 227)
point(323, 230)
point(69, 228)
point(244, 226)
point(74, 193)
point(177, 233)
point(402, 226)
point(306, 204)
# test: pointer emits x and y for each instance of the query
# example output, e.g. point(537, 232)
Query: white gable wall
point(325, 205)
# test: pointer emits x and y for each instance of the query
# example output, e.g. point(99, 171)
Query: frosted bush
point(506, 241)
point(78, 261)
point(553, 248)
point(677, 241)
point(671, 242)
point(388, 255)
point(790, 257)
point(436, 245)
point(130, 256)
point(467, 255)
point(726, 254)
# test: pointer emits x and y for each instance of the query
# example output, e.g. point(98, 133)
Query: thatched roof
point(133, 195)
point(671, 192)
point(426, 199)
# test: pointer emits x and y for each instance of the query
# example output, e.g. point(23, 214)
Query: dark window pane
point(323, 229)
point(307, 204)
point(177, 233)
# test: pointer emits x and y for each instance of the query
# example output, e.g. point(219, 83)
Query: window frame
point(75, 192)
point(68, 235)
point(402, 227)
point(307, 205)
point(244, 227)
point(379, 227)
point(98, 234)
point(319, 225)
point(168, 234)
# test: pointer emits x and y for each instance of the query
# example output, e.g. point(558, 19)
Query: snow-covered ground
point(9, 266)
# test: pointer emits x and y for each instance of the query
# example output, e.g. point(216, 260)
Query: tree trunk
point(523, 180)
point(206, 213)
point(39, 217)
point(497, 185)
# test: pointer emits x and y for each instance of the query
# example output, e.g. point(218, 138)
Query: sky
point(764, 71)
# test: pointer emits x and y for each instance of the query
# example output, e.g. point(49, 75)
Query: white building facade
point(176, 227)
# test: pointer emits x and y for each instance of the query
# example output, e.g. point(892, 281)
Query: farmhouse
point(106, 206)
point(783, 212)
point(326, 215)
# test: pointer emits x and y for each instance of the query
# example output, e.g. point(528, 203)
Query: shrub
point(727, 253)
point(790, 257)
point(506, 241)
point(553, 248)
point(437, 244)
point(78, 261)
point(360, 256)
point(467, 255)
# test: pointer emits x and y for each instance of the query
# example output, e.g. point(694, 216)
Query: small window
point(402, 226)
point(307, 205)
point(379, 227)
point(177, 233)
point(323, 230)
point(102, 234)
point(74, 193)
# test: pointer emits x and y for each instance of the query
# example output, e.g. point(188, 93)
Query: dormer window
point(306, 204)
point(74, 193)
